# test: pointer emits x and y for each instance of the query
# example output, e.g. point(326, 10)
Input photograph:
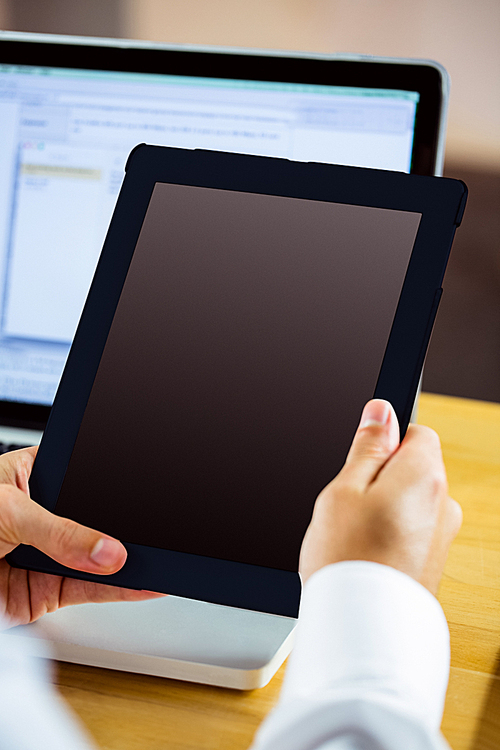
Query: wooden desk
point(133, 712)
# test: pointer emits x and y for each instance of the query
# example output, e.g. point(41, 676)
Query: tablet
point(243, 310)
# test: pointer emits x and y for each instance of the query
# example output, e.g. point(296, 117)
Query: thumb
point(376, 439)
point(22, 521)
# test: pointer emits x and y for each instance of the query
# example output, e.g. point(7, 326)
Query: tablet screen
point(249, 334)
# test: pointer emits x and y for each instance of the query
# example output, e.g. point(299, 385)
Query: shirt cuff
point(366, 629)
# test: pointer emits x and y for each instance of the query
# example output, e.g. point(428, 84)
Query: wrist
point(374, 630)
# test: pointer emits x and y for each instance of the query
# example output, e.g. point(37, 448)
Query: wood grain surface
point(470, 589)
point(134, 712)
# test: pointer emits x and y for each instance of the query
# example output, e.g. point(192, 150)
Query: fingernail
point(107, 552)
point(375, 413)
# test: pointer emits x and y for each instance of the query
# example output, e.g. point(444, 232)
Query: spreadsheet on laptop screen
point(65, 135)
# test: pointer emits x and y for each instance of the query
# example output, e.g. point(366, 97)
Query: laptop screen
point(65, 137)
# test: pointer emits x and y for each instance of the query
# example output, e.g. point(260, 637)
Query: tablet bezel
point(440, 202)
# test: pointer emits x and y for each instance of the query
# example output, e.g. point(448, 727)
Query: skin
point(27, 595)
point(389, 504)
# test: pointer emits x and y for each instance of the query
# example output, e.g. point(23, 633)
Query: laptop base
point(19, 435)
point(181, 639)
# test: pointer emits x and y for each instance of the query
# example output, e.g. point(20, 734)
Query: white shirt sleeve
point(369, 669)
point(32, 716)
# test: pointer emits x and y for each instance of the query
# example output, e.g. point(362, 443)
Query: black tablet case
point(193, 440)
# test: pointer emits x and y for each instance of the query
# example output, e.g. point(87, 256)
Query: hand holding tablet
point(243, 311)
point(389, 504)
point(24, 597)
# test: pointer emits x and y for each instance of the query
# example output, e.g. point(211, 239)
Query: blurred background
point(464, 356)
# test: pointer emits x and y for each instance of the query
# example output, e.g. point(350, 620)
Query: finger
point(28, 595)
point(15, 596)
point(433, 570)
point(82, 592)
point(15, 467)
point(455, 517)
point(375, 441)
point(23, 521)
point(418, 463)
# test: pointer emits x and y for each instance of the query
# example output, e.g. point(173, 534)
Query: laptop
point(71, 110)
